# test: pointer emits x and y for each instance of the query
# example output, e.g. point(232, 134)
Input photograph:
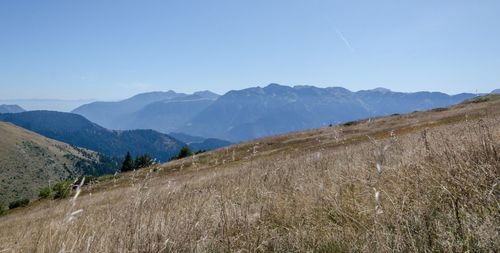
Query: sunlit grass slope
point(426, 181)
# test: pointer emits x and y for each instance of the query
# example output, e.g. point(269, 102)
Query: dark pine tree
point(185, 152)
point(128, 163)
point(143, 161)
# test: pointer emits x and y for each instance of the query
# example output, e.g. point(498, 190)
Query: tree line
point(142, 161)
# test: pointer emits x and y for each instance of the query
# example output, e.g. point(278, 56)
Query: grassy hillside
point(426, 181)
point(29, 161)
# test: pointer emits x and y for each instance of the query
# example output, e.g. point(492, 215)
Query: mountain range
point(257, 112)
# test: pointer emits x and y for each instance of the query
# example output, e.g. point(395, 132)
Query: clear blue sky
point(108, 49)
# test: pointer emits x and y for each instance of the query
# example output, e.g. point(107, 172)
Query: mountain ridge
point(262, 111)
point(256, 112)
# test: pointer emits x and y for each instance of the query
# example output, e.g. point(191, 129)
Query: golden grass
point(310, 191)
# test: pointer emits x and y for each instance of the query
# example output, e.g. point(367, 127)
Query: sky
point(113, 49)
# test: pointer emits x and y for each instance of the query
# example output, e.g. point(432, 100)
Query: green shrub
point(477, 100)
point(62, 189)
point(201, 151)
point(45, 192)
point(2, 211)
point(439, 109)
point(185, 152)
point(351, 123)
point(19, 203)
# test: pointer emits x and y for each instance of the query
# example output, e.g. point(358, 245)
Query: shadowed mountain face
point(77, 130)
point(29, 161)
point(11, 109)
point(161, 111)
point(257, 112)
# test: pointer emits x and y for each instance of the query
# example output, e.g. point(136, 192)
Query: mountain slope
point(11, 109)
point(76, 130)
point(29, 161)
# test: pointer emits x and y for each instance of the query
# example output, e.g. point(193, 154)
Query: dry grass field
point(422, 182)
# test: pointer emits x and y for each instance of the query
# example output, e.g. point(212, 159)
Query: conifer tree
point(128, 163)
point(185, 152)
point(143, 161)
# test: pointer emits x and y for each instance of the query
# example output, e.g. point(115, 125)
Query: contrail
point(339, 33)
point(346, 42)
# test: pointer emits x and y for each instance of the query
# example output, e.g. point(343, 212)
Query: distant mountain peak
point(274, 87)
point(381, 90)
point(156, 95)
point(11, 109)
point(207, 94)
point(496, 91)
point(303, 86)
